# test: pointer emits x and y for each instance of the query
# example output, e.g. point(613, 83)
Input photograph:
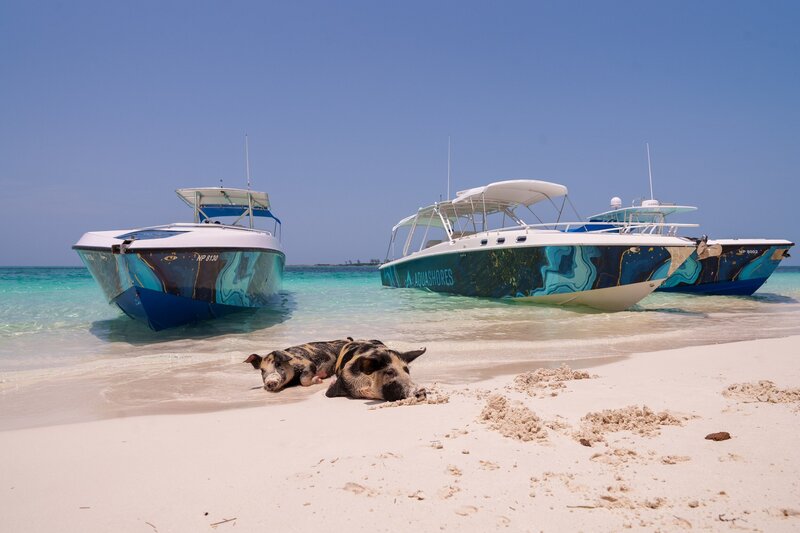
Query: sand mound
point(545, 381)
point(433, 396)
point(516, 422)
point(640, 420)
point(761, 391)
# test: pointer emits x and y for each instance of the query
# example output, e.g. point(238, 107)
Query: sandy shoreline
point(302, 465)
point(157, 385)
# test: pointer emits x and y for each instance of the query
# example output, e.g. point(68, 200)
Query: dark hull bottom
point(161, 311)
point(721, 288)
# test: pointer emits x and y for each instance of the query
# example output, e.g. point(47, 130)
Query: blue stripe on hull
point(160, 310)
point(744, 287)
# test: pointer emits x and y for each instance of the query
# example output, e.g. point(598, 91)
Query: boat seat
point(432, 242)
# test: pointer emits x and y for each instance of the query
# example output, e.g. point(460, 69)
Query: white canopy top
point(218, 196)
point(488, 199)
point(512, 192)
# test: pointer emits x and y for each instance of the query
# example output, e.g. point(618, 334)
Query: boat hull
point(739, 270)
point(168, 288)
point(606, 277)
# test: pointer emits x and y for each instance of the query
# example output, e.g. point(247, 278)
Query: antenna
point(649, 171)
point(448, 167)
point(247, 160)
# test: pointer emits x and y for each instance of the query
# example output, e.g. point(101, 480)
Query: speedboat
point(720, 266)
point(178, 273)
point(478, 244)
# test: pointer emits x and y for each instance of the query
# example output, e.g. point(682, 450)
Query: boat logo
point(170, 258)
point(430, 278)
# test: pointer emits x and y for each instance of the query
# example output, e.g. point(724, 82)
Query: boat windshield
point(234, 206)
point(648, 217)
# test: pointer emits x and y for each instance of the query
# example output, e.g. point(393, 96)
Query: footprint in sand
point(453, 470)
point(488, 465)
point(448, 491)
point(356, 488)
point(466, 510)
point(675, 459)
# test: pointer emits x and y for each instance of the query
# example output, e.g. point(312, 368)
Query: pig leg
point(309, 375)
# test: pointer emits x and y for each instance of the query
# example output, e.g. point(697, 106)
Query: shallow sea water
point(53, 318)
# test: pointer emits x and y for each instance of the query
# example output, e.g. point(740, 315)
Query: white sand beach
point(474, 462)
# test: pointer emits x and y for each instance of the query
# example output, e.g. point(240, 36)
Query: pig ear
point(370, 363)
point(337, 388)
point(410, 356)
point(255, 360)
point(279, 356)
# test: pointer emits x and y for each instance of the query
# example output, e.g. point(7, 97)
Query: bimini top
point(488, 199)
point(212, 202)
point(512, 192)
point(641, 213)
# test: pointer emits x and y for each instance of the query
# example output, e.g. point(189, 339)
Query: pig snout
point(272, 382)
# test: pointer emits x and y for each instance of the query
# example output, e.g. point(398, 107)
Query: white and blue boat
point(479, 244)
point(170, 275)
point(736, 267)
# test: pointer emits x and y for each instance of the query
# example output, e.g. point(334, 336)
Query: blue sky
point(107, 107)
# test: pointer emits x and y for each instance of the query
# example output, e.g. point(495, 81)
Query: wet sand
point(152, 385)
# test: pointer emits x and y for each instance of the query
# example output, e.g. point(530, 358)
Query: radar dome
point(650, 203)
point(616, 202)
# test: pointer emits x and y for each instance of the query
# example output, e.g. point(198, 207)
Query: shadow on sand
point(125, 329)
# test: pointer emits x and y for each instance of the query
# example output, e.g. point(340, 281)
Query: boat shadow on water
point(771, 297)
point(668, 310)
point(125, 329)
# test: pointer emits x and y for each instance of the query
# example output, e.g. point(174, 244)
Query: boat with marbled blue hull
point(170, 275)
point(725, 267)
point(453, 247)
point(740, 269)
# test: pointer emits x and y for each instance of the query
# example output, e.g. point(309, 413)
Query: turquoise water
point(54, 317)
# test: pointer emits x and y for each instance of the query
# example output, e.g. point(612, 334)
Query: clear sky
point(107, 107)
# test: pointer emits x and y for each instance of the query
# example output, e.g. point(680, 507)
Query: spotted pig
point(305, 364)
point(369, 369)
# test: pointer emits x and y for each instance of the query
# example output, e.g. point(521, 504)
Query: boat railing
point(668, 228)
point(600, 227)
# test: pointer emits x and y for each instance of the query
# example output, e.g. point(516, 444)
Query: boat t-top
point(480, 244)
point(177, 273)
